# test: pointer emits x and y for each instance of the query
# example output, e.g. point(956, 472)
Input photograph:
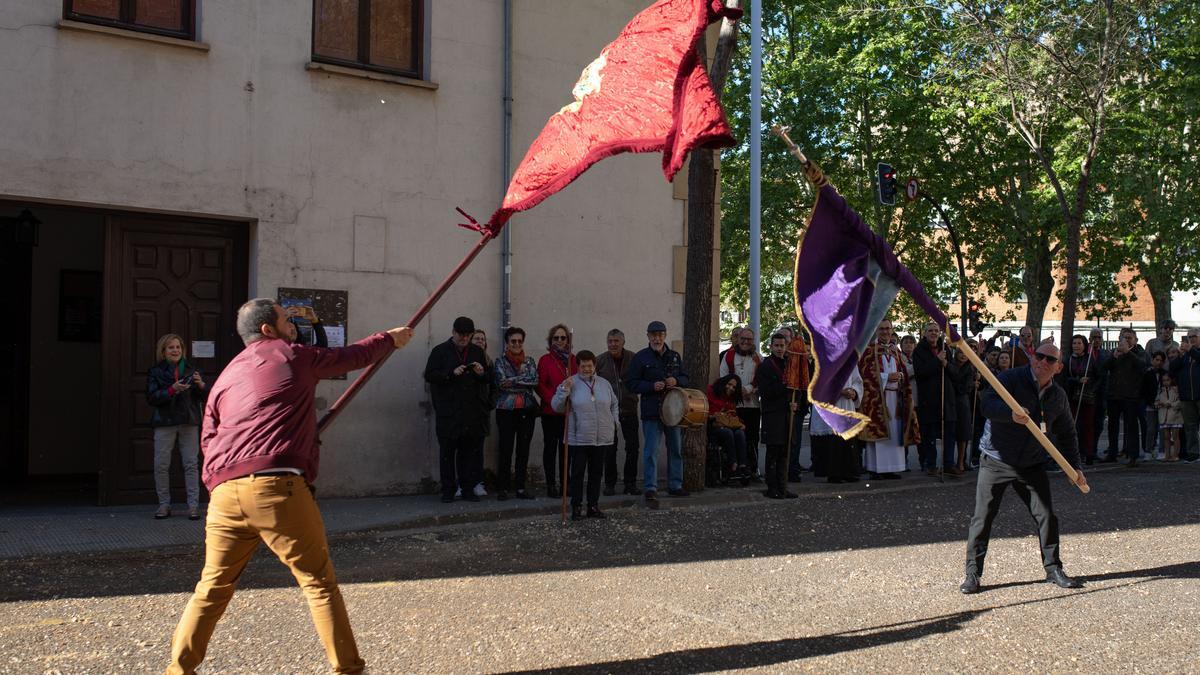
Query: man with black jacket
point(1012, 456)
point(460, 386)
point(654, 370)
point(614, 365)
point(1125, 369)
point(937, 401)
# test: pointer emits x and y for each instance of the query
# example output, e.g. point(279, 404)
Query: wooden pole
point(566, 451)
point(340, 404)
point(1086, 367)
point(1072, 474)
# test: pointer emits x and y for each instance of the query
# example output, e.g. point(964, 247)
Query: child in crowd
point(1170, 416)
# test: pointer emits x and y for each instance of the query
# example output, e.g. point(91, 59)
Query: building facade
point(183, 155)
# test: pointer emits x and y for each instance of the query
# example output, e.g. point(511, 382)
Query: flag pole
point(1072, 474)
point(486, 235)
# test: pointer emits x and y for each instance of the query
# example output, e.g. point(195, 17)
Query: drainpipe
point(505, 162)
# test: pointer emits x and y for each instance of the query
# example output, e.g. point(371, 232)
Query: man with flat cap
point(656, 369)
point(460, 387)
point(1012, 456)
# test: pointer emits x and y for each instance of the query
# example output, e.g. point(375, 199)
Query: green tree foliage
point(1000, 108)
point(851, 82)
point(1150, 211)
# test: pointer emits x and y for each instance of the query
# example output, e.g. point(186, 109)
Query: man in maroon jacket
point(259, 442)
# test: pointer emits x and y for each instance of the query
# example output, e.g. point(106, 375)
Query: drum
point(686, 408)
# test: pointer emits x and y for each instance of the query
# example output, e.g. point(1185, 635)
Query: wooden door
point(16, 274)
point(162, 276)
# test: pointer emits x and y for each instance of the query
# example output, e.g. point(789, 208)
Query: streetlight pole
point(755, 165)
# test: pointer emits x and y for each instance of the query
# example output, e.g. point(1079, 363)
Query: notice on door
point(203, 349)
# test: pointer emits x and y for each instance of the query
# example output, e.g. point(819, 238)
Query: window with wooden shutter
point(174, 18)
point(382, 35)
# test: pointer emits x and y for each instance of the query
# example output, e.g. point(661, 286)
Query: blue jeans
point(651, 431)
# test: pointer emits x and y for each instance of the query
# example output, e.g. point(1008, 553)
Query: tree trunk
point(697, 300)
point(698, 293)
point(1071, 287)
point(1160, 293)
point(1038, 280)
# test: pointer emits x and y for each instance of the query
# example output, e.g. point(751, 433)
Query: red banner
point(647, 91)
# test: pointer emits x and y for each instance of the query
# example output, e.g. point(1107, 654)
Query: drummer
point(654, 370)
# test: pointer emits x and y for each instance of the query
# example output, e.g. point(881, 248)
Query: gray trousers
point(1191, 424)
point(188, 436)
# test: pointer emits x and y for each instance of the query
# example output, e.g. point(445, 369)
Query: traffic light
point(974, 320)
point(887, 184)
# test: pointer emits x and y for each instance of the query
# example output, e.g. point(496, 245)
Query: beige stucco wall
point(308, 159)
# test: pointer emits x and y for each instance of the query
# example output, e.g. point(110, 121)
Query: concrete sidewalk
point(37, 531)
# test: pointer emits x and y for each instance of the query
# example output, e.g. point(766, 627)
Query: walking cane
point(941, 473)
point(787, 458)
point(565, 455)
point(1086, 367)
point(974, 404)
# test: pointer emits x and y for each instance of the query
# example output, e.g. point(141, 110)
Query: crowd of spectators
point(916, 391)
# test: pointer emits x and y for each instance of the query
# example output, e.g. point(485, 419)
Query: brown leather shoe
point(163, 512)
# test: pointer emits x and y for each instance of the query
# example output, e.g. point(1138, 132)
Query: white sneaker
point(458, 493)
point(479, 491)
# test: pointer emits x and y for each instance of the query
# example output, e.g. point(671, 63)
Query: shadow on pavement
point(639, 537)
point(776, 652)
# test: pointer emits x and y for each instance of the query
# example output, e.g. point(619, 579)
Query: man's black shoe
point(610, 490)
point(970, 584)
point(470, 497)
point(521, 494)
point(679, 492)
point(1059, 578)
point(788, 495)
point(502, 496)
point(651, 499)
point(576, 512)
point(595, 512)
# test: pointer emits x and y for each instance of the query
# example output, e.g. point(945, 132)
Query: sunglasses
point(559, 337)
point(1046, 357)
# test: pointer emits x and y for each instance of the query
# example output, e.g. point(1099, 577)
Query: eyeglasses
point(559, 337)
point(1046, 357)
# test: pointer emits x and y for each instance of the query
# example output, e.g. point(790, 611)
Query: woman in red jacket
point(726, 427)
point(555, 366)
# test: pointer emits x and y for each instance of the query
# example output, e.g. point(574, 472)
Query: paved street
point(840, 580)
